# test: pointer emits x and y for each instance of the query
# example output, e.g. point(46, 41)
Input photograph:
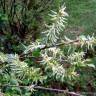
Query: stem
point(60, 44)
point(57, 45)
point(43, 88)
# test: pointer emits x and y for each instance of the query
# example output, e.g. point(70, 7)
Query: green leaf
point(91, 65)
point(36, 52)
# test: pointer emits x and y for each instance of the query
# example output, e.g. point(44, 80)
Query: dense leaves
point(35, 52)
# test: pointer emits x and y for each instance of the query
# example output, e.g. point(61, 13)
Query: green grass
point(82, 16)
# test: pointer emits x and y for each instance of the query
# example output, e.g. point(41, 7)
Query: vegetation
point(47, 47)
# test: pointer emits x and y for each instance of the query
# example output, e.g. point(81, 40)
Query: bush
point(36, 58)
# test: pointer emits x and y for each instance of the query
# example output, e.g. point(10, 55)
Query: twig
point(60, 44)
point(57, 45)
point(57, 90)
point(43, 88)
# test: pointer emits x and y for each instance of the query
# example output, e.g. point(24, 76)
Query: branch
point(57, 45)
point(60, 44)
point(43, 88)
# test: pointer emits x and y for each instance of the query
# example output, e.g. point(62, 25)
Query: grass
point(82, 16)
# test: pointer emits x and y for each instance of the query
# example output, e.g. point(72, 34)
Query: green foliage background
point(82, 14)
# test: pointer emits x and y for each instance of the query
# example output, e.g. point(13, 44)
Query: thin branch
point(43, 88)
point(56, 90)
point(60, 44)
point(57, 45)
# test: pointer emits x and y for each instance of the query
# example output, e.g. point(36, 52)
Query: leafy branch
point(80, 41)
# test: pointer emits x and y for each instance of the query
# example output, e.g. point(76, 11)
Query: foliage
point(57, 25)
point(49, 59)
